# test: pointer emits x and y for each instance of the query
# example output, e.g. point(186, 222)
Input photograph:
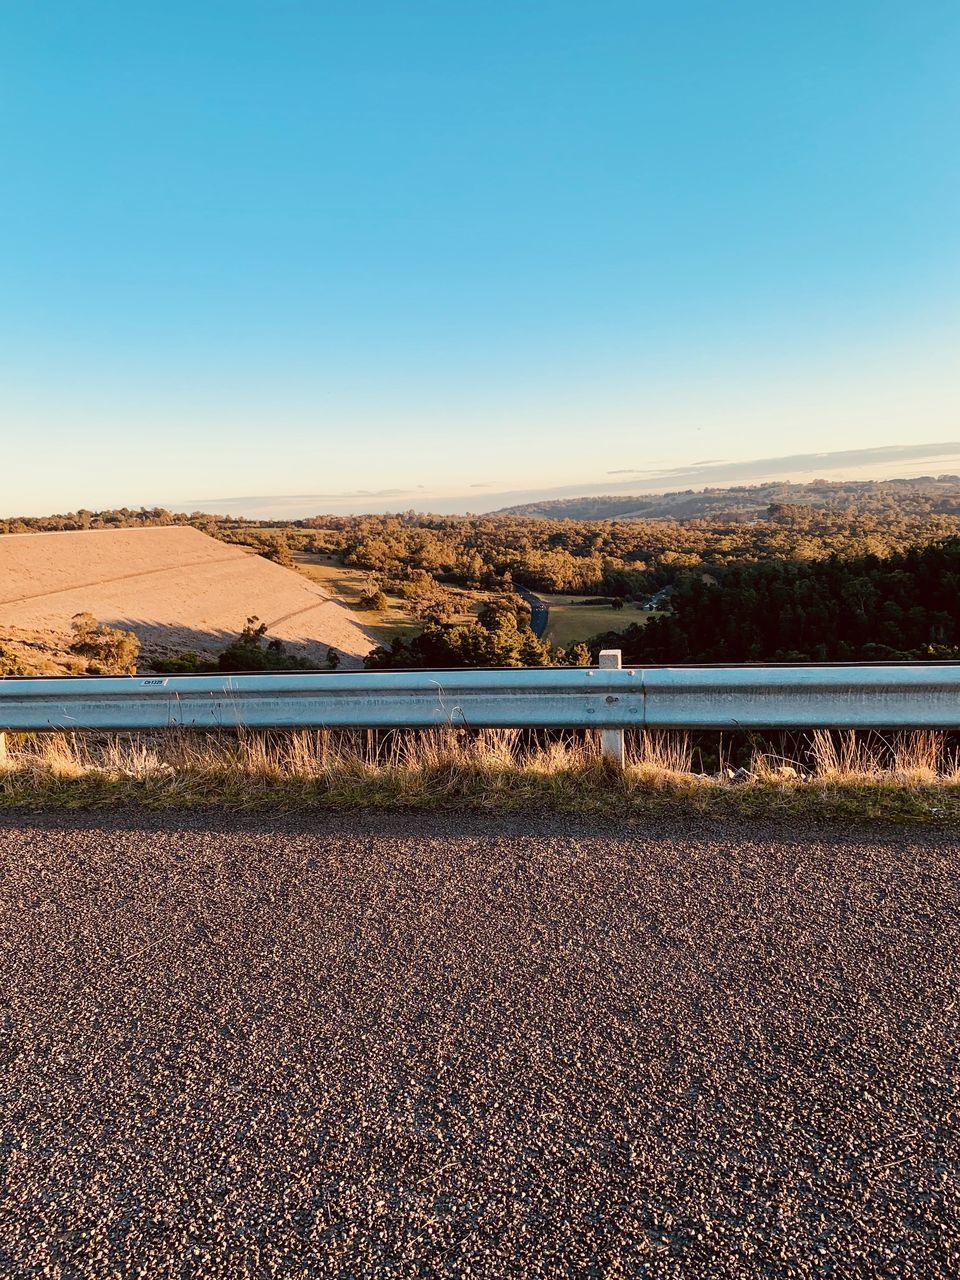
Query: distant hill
point(925, 494)
point(176, 588)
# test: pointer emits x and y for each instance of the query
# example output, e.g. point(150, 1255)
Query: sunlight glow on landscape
point(480, 639)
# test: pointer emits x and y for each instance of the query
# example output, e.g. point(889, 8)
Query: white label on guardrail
point(159, 682)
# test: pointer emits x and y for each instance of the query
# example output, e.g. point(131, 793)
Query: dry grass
point(347, 585)
point(25, 652)
point(908, 776)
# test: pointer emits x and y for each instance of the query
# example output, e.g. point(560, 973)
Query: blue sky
point(437, 252)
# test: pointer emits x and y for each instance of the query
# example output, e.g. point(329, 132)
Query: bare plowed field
point(176, 588)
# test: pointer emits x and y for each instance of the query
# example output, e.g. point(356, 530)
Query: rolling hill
point(750, 502)
point(176, 588)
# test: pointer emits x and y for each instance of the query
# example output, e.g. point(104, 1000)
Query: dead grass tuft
point(846, 775)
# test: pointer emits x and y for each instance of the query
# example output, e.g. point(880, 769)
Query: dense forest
point(865, 609)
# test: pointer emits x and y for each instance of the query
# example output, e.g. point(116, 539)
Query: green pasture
point(571, 622)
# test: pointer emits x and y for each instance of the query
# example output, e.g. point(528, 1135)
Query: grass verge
point(846, 778)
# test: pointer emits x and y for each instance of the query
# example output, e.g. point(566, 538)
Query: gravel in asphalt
point(348, 1046)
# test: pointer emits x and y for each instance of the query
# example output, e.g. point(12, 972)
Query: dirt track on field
point(177, 588)
point(348, 1046)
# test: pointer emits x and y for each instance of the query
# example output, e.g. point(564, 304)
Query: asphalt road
point(354, 1047)
point(539, 611)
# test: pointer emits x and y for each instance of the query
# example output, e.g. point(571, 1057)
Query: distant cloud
point(296, 506)
point(631, 471)
point(715, 471)
point(887, 462)
point(881, 463)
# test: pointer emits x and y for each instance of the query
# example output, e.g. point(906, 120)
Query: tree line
point(623, 559)
point(901, 607)
point(856, 580)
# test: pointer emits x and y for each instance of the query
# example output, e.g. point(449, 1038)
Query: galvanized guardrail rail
point(607, 698)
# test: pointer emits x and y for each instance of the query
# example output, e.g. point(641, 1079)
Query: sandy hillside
point(176, 588)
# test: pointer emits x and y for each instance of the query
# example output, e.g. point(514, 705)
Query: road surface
point(539, 611)
point(452, 1046)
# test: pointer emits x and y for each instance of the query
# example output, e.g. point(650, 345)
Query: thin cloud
point(711, 472)
point(887, 462)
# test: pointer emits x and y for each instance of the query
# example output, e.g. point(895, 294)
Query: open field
point(458, 1046)
point(176, 588)
point(347, 585)
point(571, 622)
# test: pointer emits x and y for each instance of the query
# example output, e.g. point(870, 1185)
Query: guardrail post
point(611, 740)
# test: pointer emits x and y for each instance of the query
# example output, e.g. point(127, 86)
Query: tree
point(278, 551)
point(500, 637)
point(578, 656)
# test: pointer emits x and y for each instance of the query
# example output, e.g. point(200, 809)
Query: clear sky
point(453, 249)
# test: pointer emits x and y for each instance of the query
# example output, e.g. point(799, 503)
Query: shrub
point(188, 663)
point(375, 599)
point(108, 650)
point(279, 552)
point(249, 652)
point(12, 664)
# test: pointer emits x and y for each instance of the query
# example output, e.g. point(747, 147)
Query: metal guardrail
point(608, 698)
